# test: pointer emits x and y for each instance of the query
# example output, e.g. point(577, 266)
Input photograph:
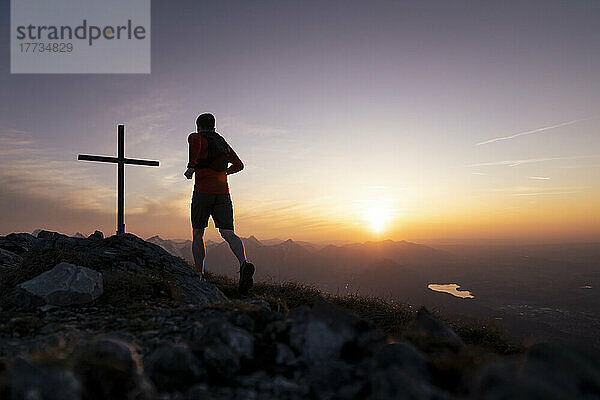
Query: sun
point(377, 217)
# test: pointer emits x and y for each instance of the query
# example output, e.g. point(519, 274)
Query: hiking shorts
point(218, 206)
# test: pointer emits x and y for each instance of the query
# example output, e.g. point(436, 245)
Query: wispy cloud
point(514, 163)
point(537, 191)
point(378, 187)
point(537, 130)
point(150, 119)
point(548, 193)
point(237, 126)
point(48, 177)
point(540, 178)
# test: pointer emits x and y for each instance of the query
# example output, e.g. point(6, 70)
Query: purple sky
point(342, 112)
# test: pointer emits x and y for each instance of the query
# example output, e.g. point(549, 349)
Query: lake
point(451, 288)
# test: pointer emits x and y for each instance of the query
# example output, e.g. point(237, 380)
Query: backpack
point(217, 157)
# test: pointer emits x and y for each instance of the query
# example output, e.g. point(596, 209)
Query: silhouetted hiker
point(210, 156)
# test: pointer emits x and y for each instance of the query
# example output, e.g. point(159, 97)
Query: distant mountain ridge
point(330, 267)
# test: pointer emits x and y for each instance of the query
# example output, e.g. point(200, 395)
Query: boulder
point(174, 367)
point(18, 243)
point(8, 259)
point(221, 362)
point(548, 371)
point(332, 377)
point(221, 331)
point(395, 383)
point(9, 262)
point(284, 355)
point(63, 285)
point(431, 332)
point(29, 381)
point(97, 235)
point(406, 357)
point(112, 369)
point(260, 385)
point(127, 258)
point(324, 332)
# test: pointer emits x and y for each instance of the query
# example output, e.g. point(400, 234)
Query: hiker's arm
point(194, 146)
point(236, 164)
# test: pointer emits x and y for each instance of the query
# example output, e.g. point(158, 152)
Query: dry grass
point(391, 317)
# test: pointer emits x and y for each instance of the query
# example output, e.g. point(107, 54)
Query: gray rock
point(125, 257)
point(18, 243)
point(395, 383)
point(204, 392)
point(259, 303)
point(9, 259)
point(284, 355)
point(111, 368)
point(9, 262)
point(243, 320)
point(406, 357)
point(174, 367)
point(431, 328)
point(221, 331)
point(548, 371)
point(65, 284)
point(330, 377)
point(97, 235)
point(44, 234)
point(32, 382)
point(326, 332)
point(271, 387)
point(221, 362)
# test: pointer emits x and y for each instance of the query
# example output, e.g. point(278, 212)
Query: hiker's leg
point(235, 243)
point(201, 207)
point(223, 217)
point(198, 249)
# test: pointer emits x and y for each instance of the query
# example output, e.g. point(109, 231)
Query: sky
point(356, 120)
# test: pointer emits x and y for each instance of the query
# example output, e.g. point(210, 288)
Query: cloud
point(75, 184)
point(547, 193)
point(514, 163)
point(536, 191)
point(35, 171)
point(537, 130)
point(378, 187)
point(237, 126)
point(540, 178)
point(149, 119)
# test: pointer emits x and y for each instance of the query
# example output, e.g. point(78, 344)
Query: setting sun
point(378, 217)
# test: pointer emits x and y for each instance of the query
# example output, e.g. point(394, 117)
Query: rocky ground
point(118, 317)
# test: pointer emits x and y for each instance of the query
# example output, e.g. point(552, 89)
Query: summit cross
point(121, 161)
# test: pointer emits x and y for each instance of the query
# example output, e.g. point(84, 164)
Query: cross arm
point(135, 161)
point(87, 157)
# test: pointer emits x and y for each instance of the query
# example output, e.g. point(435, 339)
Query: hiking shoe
point(246, 273)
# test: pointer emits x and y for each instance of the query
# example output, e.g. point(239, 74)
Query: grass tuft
point(391, 317)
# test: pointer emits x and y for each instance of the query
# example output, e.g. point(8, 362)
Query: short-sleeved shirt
point(207, 179)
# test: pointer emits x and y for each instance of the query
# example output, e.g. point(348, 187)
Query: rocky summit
point(121, 318)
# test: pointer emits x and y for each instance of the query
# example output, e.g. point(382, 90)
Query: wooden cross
point(121, 161)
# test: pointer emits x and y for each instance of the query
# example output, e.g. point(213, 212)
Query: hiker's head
point(205, 122)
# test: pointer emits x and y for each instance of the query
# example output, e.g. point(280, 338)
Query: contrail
point(514, 163)
point(545, 128)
